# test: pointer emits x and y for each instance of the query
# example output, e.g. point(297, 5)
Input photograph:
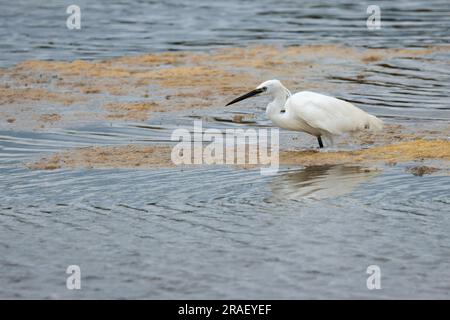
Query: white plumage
point(313, 113)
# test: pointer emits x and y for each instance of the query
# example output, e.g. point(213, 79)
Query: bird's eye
point(264, 88)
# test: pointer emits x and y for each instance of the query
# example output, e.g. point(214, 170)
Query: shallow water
point(36, 30)
point(220, 232)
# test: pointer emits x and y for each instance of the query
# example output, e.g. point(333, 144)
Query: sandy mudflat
point(140, 156)
point(128, 156)
point(42, 95)
point(133, 87)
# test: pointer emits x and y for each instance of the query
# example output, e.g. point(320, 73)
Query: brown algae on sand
point(175, 81)
point(138, 111)
point(138, 156)
point(9, 95)
point(127, 156)
point(415, 150)
point(52, 117)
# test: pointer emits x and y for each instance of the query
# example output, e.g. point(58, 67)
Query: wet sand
point(147, 157)
point(129, 156)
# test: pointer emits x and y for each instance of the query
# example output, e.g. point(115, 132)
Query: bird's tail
point(373, 123)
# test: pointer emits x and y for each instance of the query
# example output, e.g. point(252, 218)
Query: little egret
point(313, 113)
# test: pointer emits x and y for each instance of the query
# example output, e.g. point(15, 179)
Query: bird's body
point(316, 114)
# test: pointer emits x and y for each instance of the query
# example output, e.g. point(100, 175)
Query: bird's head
point(271, 86)
point(267, 87)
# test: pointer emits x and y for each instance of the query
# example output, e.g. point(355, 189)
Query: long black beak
point(247, 95)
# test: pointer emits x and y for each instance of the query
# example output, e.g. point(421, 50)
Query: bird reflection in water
point(320, 182)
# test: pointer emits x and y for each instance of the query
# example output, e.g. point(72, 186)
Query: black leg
point(319, 138)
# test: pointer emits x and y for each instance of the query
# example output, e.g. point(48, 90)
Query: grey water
point(37, 29)
point(222, 232)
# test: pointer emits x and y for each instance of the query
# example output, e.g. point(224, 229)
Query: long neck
point(274, 108)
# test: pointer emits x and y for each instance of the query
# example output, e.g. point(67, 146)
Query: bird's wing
point(327, 113)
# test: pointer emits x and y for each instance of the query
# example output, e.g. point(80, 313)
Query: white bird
point(313, 113)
